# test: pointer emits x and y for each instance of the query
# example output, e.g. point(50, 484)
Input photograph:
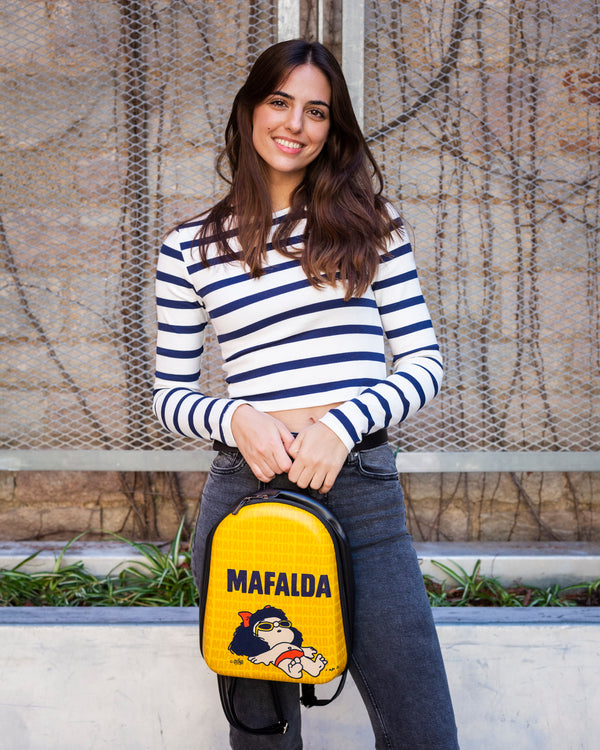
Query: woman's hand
point(318, 455)
point(263, 441)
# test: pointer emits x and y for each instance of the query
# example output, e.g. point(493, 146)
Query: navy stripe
point(171, 252)
point(401, 305)
point(396, 222)
point(219, 260)
point(207, 416)
point(240, 278)
point(416, 385)
point(348, 426)
point(318, 388)
point(221, 433)
point(421, 325)
point(168, 328)
point(384, 405)
point(170, 394)
point(195, 241)
point(396, 252)
point(405, 405)
point(176, 304)
point(294, 313)
point(366, 413)
point(436, 361)
point(395, 280)
point(309, 335)
point(436, 385)
point(223, 259)
point(420, 350)
point(191, 223)
point(251, 299)
point(175, 280)
point(178, 409)
point(172, 378)
point(178, 353)
point(309, 362)
point(192, 413)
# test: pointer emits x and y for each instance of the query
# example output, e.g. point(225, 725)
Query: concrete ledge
point(133, 678)
point(540, 564)
point(99, 558)
point(188, 616)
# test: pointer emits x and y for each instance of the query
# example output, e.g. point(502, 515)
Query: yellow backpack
point(278, 597)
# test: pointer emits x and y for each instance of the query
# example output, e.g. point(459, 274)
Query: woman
point(301, 268)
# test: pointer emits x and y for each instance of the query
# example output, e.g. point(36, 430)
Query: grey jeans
point(396, 660)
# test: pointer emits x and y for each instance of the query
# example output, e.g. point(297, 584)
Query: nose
point(295, 119)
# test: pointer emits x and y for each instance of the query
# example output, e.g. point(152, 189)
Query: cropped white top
point(287, 344)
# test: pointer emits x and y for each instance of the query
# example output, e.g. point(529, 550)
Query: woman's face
point(290, 127)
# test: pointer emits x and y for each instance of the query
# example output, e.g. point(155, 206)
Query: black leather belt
point(369, 441)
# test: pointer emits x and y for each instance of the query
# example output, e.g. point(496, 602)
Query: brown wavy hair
point(347, 223)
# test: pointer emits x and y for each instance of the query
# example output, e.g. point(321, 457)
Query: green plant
point(164, 578)
point(473, 589)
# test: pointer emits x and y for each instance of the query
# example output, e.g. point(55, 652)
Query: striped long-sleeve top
point(286, 344)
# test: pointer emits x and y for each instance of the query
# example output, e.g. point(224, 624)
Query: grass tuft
point(475, 590)
point(164, 579)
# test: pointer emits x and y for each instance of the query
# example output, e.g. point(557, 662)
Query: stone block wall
point(440, 507)
point(485, 122)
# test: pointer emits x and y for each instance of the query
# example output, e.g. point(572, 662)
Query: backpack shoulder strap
point(309, 698)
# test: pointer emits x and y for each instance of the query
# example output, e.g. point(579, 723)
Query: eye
point(318, 114)
point(280, 103)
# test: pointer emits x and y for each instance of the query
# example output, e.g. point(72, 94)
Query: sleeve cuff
point(331, 421)
point(228, 438)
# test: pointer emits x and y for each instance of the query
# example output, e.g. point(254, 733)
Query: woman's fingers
point(318, 457)
point(312, 459)
point(262, 441)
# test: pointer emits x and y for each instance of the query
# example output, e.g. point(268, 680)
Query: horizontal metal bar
point(101, 460)
point(200, 460)
point(498, 461)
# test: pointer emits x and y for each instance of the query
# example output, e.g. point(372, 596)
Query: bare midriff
point(298, 419)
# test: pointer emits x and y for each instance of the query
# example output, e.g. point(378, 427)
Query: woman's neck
point(281, 191)
point(279, 204)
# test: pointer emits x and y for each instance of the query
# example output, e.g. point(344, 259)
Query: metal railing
point(485, 119)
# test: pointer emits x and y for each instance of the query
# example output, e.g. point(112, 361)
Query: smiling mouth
point(288, 144)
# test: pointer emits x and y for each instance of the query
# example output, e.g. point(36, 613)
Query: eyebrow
point(291, 98)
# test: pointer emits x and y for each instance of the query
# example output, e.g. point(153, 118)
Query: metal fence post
point(353, 54)
point(288, 19)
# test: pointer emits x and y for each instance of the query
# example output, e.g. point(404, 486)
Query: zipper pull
point(239, 506)
point(265, 494)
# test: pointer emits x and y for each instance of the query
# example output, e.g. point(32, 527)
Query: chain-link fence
point(484, 116)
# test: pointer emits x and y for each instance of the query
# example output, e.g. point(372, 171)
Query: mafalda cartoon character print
point(267, 637)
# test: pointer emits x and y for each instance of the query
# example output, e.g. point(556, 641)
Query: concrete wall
point(134, 679)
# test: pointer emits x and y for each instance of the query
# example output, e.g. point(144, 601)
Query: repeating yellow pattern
point(290, 543)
